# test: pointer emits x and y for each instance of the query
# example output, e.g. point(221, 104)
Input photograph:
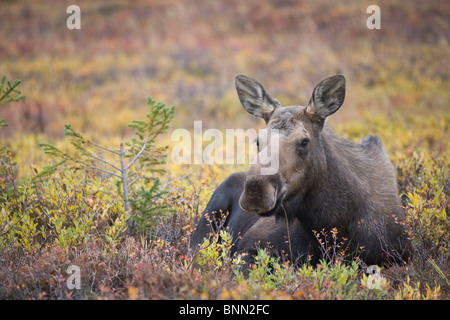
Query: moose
point(323, 182)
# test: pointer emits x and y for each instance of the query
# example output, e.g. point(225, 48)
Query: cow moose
point(323, 182)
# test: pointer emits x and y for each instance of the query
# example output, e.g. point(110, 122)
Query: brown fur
point(323, 182)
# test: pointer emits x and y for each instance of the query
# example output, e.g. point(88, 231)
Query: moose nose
point(258, 196)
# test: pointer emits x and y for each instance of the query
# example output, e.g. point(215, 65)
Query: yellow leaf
point(133, 293)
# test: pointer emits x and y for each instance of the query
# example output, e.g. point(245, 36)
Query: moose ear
point(254, 98)
point(327, 97)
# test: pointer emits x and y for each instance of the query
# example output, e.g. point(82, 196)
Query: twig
point(137, 156)
point(436, 267)
point(105, 148)
point(134, 180)
point(104, 170)
point(288, 233)
point(13, 225)
point(106, 162)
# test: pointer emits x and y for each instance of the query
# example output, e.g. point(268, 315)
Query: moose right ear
point(254, 98)
point(327, 97)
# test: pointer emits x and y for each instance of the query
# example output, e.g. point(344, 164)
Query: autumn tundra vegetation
point(87, 182)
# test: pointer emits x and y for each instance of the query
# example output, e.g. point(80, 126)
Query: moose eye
point(304, 143)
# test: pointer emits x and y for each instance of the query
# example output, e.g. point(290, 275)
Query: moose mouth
point(274, 208)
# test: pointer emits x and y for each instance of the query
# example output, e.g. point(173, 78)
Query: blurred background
point(186, 53)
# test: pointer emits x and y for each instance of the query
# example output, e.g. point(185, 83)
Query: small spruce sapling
point(132, 161)
point(6, 96)
point(8, 93)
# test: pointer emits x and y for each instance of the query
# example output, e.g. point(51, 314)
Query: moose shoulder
point(322, 182)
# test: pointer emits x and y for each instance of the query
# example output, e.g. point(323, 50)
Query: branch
point(13, 225)
point(104, 170)
point(104, 161)
point(102, 147)
point(138, 155)
point(11, 89)
point(134, 180)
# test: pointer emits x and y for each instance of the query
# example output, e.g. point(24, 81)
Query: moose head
point(294, 139)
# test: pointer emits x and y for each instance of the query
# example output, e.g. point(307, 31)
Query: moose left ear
point(327, 97)
point(254, 98)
